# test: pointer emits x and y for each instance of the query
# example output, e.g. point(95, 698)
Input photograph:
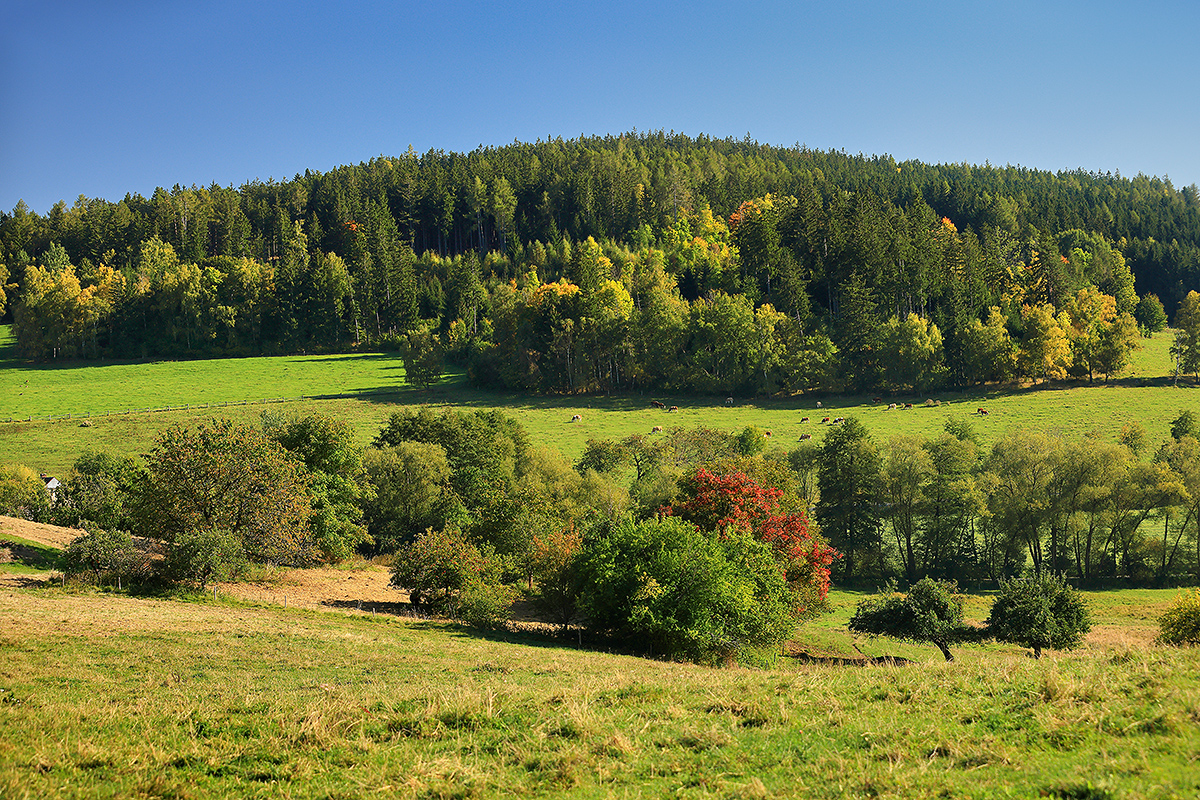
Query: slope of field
point(1146, 396)
point(37, 532)
point(113, 696)
point(83, 388)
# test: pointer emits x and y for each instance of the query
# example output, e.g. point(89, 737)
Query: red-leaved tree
point(733, 500)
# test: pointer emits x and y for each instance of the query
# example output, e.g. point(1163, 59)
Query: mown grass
point(377, 380)
point(111, 696)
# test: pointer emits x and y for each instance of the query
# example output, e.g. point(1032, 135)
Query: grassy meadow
point(107, 695)
point(1143, 395)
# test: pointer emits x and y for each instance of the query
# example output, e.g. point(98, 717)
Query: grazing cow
point(576, 418)
point(804, 437)
point(891, 406)
point(836, 420)
point(656, 429)
point(804, 419)
point(981, 412)
point(823, 421)
point(728, 401)
point(767, 434)
point(673, 408)
point(658, 404)
point(908, 405)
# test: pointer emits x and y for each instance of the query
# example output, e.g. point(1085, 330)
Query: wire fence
point(87, 415)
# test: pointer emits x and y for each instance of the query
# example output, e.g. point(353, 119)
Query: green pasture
point(109, 695)
point(1144, 396)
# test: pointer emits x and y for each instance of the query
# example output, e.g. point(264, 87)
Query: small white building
point(52, 485)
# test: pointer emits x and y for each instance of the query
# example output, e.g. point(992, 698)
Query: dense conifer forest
point(640, 261)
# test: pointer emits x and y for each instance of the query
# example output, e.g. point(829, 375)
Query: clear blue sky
point(108, 97)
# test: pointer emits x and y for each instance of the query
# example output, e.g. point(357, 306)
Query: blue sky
point(104, 98)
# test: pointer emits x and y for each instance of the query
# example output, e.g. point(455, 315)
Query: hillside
point(109, 694)
point(624, 264)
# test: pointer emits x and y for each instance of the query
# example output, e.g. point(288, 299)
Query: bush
point(23, 493)
point(554, 565)
point(683, 593)
point(751, 441)
point(1042, 611)
point(99, 490)
point(104, 553)
point(206, 555)
point(930, 612)
point(445, 573)
point(1180, 624)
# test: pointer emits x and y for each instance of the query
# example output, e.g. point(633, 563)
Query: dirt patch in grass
point(48, 535)
point(365, 589)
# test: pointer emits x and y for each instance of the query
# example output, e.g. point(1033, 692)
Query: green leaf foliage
point(204, 556)
point(22, 493)
point(1039, 612)
point(1180, 623)
point(99, 490)
point(672, 590)
point(446, 573)
point(233, 477)
point(931, 612)
point(104, 554)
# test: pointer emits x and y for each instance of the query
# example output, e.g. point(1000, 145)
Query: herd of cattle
point(804, 436)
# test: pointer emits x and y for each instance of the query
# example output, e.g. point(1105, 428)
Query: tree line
point(694, 542)
point(639, 261)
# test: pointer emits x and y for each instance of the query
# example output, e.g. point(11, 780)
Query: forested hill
point(381, 249)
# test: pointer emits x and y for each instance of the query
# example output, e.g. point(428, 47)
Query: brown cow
point(823, 421)
point(805, 437)
point(981, 412)
point(804, 419)
point(658, 404)
point(576, 418)
point(673, 408)
point(656, 429)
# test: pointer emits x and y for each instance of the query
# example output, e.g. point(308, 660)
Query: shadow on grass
point(31, 555)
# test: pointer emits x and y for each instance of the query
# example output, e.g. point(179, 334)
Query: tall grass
point(111, 696)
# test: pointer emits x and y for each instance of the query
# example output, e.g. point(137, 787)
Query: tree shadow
point(33, 556)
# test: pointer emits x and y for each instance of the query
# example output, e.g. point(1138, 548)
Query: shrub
point(1180, 624)
point(930, 612)
point(104, 553)
point(1042, 611)
point(98, 490)
point(205, 555)
point(23, 494)
point(751, 441)
point(554, 565)
point(685, 593)
point(446, 573)
point(734, 501)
